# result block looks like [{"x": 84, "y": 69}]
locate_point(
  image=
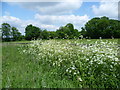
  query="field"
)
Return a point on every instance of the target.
[{"x": 87, "y": 63}]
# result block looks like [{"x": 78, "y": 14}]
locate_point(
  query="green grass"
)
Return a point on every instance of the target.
[
  {"x": 16, "y": 42},
  {"x": 0, "y": 65},
  {"x": 25, "y": 71},
  {"x": 18, "y": 70}
]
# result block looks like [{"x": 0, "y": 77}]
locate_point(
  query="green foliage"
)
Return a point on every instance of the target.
[
  {"x": 61, "y": 64},
  {"x": 45, "y": 34},
  {"x": 32, "y": 32},
  {"x": 6, "y": 32},
  {"x": 67, "y": 32},
  {"x": 16, "y": 34},
  {"x": 55, "y": 63},
  {"x": 52, "y": 35},
  {"x": 10, "y": 33},
  {"x": 102, "y": 27},
  {"x": 95, "y": 28}
]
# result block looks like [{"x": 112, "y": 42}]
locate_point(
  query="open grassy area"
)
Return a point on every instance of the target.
[
  {"x": 0, "y": 65},
  {"x": 61, "y": 64}
]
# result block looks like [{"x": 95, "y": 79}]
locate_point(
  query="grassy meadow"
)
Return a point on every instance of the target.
[{"x": 87, "y": 63}]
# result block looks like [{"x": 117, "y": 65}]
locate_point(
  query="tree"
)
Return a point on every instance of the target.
[
  {"x": 32, "y": 32},
  {"x": 83, "y": 32},
  {"x": 16, "y": 35},
  {"x": 62, "y": 32},
  {"x": 101, "y": 27},
  {"x": 76, "y": 34},
  {"x": 0, "y": 34},
  {"x": 45, "y": 34},
  {"x": 115, "y": 28},
  {"x": 52, "y": 34},
  {"x": 10, "y": 33},
  {"x": 91, "y": 28},
  {"x": 70, "y": 26},
  {"x": 67, "y": 32},
  {"x": 6, "y": 32}
]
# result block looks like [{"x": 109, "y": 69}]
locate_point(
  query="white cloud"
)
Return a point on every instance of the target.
[
  {"x": 49, "y": 22},
  {"x": 13, "y": 21},
  {"x": 43, "y": 0},
  {"x": 106, "y": 8},
  {"x": 49, "y": 27},
  {"x": 50, "y": 16},
  {"x": 52, "y": 8},
  {"x": 78, "y": 21},
  {"x": 21, "y": 24}
]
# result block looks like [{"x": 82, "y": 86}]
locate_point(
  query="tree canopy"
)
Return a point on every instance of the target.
[
  {"x": 102, "y": 27},
  {"x": 10, "y": 33},
  {"x": 67, "y": 32},
  {"x": 32, "y": 32}
]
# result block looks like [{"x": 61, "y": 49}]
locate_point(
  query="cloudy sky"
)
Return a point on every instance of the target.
[{"x": 52, "y": 15}]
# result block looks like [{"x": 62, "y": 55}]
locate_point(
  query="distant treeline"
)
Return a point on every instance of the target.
[{"x": 95, "y": 28}]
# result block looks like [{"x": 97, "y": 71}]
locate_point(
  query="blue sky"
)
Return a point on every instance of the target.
[
  {"x": 52, "y": 15},
  {"x": 23, "y": 13},
  {"x": 17, "y": 11},
  {"x": 86, "y": 8}
]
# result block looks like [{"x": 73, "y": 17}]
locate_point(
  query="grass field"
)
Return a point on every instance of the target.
[{"x": 61, "y": 64}]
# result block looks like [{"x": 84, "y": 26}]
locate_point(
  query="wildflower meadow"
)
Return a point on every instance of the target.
[{"x": 63, "y": 63}]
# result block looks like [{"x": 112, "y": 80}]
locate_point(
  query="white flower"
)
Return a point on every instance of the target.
[
  {"x": 73, "y": 68},
  {"x": 79, "y": 78},
  {"x": 70, "y": 71},
  {"x": 75, "y": 73},
  {"x": 116, "y": 59}
]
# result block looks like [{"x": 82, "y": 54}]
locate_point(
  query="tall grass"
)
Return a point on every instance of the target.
[{"x": 62, "y": 64}]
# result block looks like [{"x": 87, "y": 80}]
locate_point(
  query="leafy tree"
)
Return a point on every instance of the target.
[
  {"x": 76, "y": 33},
  {"x": 101, "y": 27},
  {"x": 10, "y": 33},
  {"x": 91, "y": 28},
  {"x": 83, "y": 32},
  {"x": 32, "y": 32},
  {"x": 45, "y": 34},
  {"x": 70, "y": 26},
  {"x": 52, "y": 34},
  {"x": 16, "y": 34},
  {"x": 115, "y": 28},
  {"x": 67, "y": 32},
  {"x": 70, "y": 31},
  {"x": 0, "y": 34},
  {"x": 62, "y": 32},
  {"x": 6, "y": 32}
]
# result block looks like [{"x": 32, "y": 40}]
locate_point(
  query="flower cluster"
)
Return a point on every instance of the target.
[{"x": 77, "y": 59}]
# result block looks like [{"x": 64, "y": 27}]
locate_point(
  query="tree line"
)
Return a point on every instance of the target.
[{"x": 95, "y": 28}]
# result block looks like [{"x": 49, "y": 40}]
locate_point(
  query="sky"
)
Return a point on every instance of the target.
[{"x": 52, "y": 15}]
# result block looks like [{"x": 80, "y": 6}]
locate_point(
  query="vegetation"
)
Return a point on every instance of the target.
[
  {"x": 95, "y": 28},
  {"x": 67, "y": 32},
  {"x": 10, "y": 33},
  {"x": 102, "y": 27},
  {"x": 55, "y": 59},
  {"x": 32, "y": 32},
  {"x": 61, "y": 63}
]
